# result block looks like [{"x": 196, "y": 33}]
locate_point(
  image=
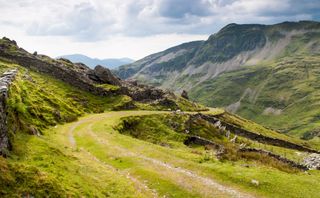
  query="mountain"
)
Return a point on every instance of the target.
[
  {"x": 267, "y": 73},
  {"x": 67, "y": 130},
  {"x": 110, "y": 63}
]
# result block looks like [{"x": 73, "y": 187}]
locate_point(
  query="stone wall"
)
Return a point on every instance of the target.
[
  {"x": 256, "y": 136},
  {"x": 201, "y": 141},
  {"x": 5, "y": 81},
  {"x": 277, "y": 157}
]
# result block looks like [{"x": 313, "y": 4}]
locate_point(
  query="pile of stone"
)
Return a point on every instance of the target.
[{"x": 312, "y": 161}]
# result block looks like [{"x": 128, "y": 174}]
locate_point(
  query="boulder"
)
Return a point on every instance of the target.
[
  {"x": 184, "y": 94},
  {"x": 103, "y": 75},
  {"x": 312, "y": 161}
]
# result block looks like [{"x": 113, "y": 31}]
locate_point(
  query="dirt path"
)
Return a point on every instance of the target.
[
  {"x": 209, "y": 187},
  {"x": 140, "y": 186}
]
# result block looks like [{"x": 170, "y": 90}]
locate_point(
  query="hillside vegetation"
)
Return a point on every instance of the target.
[
  {"x": 266, "y": 73},
  {"x": 91, "y": 158},
  {"x": 71, "y": 131}
]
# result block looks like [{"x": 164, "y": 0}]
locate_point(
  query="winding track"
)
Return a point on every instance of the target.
[{"x": 209, "y": 187}]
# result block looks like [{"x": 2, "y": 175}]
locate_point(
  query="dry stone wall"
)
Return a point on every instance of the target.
[{"x": 5, "y": 80}]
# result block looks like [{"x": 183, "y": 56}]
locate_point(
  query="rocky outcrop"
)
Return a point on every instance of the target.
[
  {"x": 62, "y": 69},
  {"x": 144, "y": 93},
  {"x": 5, "y": 81},
  {"x": 256, "y": 136},
  {"x": 312, "y": 161},
  {"x": 277, "y": 157},
  {"x": 103, "y": 75},
  {"x": 79, "y": 75},
  {"x": 184, "y": 94}
]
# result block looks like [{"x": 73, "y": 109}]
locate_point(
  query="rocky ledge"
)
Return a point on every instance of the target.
[{"x": 81, "y": 76}]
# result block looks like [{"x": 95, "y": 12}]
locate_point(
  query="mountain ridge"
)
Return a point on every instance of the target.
[
  {"x": 242, "y": 48},
  {"x": 110, "y": 63},
  {"x": 74, "y": 131}
]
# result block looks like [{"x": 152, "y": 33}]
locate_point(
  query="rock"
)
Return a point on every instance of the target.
[
  {"x": 104, "y": 75},
  {"x": 228, "y": 134},
  {"x": 184, "y": 94},
  {"x": 168, "y": 103},
  {"x": 233, "y": 140},
  {"x": 255, "y": 182},
  {"x": 3, "y": 89},
  {"x": 217, "y": 124},
  {"x": 144, "y": 93},
  {"x": 33, "y": 131},
  {"x": 312, "y": 161}
]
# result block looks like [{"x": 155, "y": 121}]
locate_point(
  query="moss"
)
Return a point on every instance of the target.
[{"x": 109, "y": 87}]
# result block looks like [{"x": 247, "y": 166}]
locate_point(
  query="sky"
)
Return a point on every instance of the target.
[{"x": 134, "y": 28}]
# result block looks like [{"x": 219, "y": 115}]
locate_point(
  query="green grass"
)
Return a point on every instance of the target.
[
  {"x": 109, "y": 87},
  {"x": 84, "y": 169},
  {"x": 289, "y": 84},
  {"x": 171, "y": 130},
  {"x": 39, "y": 101},
  {"x": 49, "y": 168}
]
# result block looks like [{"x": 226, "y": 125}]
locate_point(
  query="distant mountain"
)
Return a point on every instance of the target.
[
  {"x": 267, "y": 73},
  {"x": 110, "y": 63}
]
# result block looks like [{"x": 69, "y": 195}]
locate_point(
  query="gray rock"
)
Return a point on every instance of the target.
[
  {"x": 312, "y": 161},
  {"x": 184, "y": 94},
  {"x": 104, "y": 75}
]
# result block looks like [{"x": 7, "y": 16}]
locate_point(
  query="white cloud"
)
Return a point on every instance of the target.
[{"x": 92, "y": 27}]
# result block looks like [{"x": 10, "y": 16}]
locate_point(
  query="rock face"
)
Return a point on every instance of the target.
[
  {"x": 103, "y": 75},
  {"x": 5, "y": 81}
]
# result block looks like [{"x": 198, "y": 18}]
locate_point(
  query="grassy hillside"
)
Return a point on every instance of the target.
[
  {"x": 282, "y": 95},
  {"x": 39, "y": 101},
  {"x": 266, "y": 73},
  {"x": 91, "y": 158}
]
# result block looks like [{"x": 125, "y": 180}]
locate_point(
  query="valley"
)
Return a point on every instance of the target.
[
  {"x": 265, "y": 73},
  {"x": 71, "y": 131}
]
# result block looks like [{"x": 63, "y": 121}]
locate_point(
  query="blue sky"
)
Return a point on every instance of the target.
[{"x": 134, "y": 28}]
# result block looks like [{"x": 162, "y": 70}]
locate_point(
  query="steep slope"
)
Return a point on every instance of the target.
[
  {"x": 282, "y": 95},
  {"x": 262, "y": 72},
  {"x": 157, "y": 68},
  {"x": 110, "y": 63}
]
